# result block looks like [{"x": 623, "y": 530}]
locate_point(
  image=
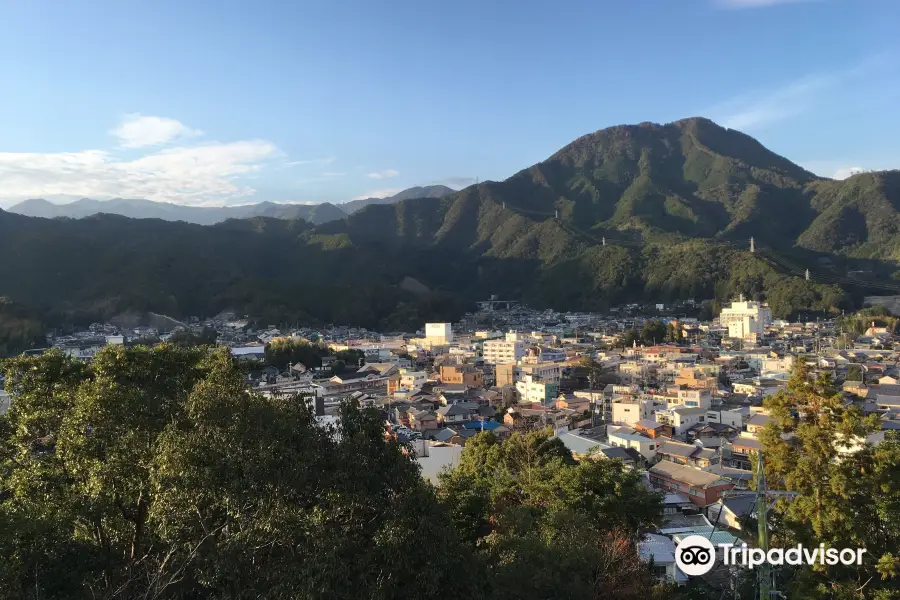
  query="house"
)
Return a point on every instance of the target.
[
  {"x": 660, "y": 550},
  {"x": 731, "y": 510},
  {"x": 686, "y": 454},
  {"x": 629, "y": 412},
  {"x": 456, "y": 413},
  {"x": 622, "y": 454},
  {"x": 681, "y": 418},
  {"x": 701, "y": 488},
  {"x": 422, "y": 420},
  {"x": 740, "y": 451},
  {"x": 644, "y": 445},
  {"x": 674, "y": 504},
  {"x": 756, "y": 422},
  {"x": 741, "y": 478},
  {"x": 653, "y": 429},
  {"x": 466, "y": 375},
  {"x": 887, "y": 396}
]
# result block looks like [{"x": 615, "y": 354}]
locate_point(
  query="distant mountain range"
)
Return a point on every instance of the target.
[
  {"x": 147, "y": 209},
  {"x": 642, "y": 212}
]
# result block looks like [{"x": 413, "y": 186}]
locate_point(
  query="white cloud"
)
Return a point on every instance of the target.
[
  {"x": 755, "y": 3},
  {"x": 759, "y": 109},
  {"x": 845, "y": 172},
  {"x": 379, "y": 193},
  {"x": 191, "y": 175},
  {"x": 138, "y": 131},
  {"x": 386, "y": 174}
]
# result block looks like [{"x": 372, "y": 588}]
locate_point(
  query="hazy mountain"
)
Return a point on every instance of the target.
[
  {"x": 428, "y": 191},
  {"x": 676, "y": 203},
  {"x": 147, "y": 209}
]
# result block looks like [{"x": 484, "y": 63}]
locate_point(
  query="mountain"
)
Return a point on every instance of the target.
[
  {"x": 201, "y": 215},
  {"x": 147, "y": 209},
  {"x": 428, "y": 191},
  {"x": 675, "y": 205}
]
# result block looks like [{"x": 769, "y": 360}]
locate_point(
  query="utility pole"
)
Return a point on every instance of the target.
[{"x": 763, "y": 493}]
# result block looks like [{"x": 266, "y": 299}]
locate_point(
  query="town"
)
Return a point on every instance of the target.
[{"x": 677, "y": 399}]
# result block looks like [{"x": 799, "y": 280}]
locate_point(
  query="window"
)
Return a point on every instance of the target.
[
  {"x": 694, "y": 492},
  {"x": 660, "y": 571}
]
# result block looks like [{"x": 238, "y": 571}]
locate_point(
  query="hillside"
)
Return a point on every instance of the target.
[
  {"x": 675, "y": 203},
  {"x": 428, "y": 191}
]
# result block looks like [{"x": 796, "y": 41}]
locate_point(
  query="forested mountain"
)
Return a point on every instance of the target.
[
  {"x": 676, "y": 204},
  {"x": 428, "y": 191}
]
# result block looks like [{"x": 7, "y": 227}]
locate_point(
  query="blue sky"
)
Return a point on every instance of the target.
[{"x": 228, "y": 102}]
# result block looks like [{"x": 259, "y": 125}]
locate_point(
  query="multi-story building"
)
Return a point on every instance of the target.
[
  {"x": 538, "y": 392},
  {"x": 500, "y": 352},
  {"x": 629, "y": 412},
  {"x": 699, "y": 377},
  {"x": 681, "y": 418},
  {"x": 745, "y": 319},
  {"x": 438, "y": 334},
  {"x": 462, "y": 374},
  {"x": 645, "y": 445}
]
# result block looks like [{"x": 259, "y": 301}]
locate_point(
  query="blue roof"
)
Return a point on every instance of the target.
[{"x": 488, "y": 425}]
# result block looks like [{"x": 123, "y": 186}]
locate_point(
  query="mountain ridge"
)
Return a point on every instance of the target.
[
  {"x": 676, "y": 204},
  {"x": 148, "y": 209}
]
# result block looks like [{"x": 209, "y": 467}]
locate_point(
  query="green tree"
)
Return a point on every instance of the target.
[
  {"x": 654, "y": 332},
  {"x": 854, "y": 373},
  {"x": 848, "y": 492},
  {"x": 155, "y": 473},
  {"x": 527, "y": 503}
]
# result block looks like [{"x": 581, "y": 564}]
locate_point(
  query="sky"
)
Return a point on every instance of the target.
[{"x": 227, "y": 102}]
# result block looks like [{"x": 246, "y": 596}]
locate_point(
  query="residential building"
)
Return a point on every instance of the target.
[
  {"x": 505, "y": 374},
  {"x": 733, "y": 417},
  {"x": 500, "y": 352},
  {"x": 462, "y": 374},
  {"x": 693, "y": 398},
  {"x": 644, "y": 445},
  {"x": 412, "y": 380},
  {"x": 540, "y": 392},
  {"x": 546, "y": 372},
  {"x": 732, "y": 510},
  {"x": 652, "y": 429},
  {"x": 629, "y": 412},
  {"x": 699, "y": 377},
  {"x": 681, "y": 418},
  {"x": 686, "y": 454},
  {"x": 701, "y": 488},
  {"x": 660, "y": 550}
]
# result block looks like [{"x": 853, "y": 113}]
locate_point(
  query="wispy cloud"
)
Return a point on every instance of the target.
[
  {"x": 456, "y": 182},
  {"x": 386, "y": 174},
  {"x": 326, "y": 176},
  {"x": 199, "y": 174},
  {"x": 759, "y": 109},
  {"x": 738, "y": 4},
  {"x": 379, "y": 193},
  {"x": 138, "y": 131}
]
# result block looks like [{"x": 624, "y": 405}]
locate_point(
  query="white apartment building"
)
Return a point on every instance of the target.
[
  {"x": 746, "y": 319},
  {"x": 630, "y": 412},
  {"x": 544, "y": 372},
  {"x": 412, "y": 379},
  {"x": 502, "y": 352},
  {"x": 694, "y": 398},
  {"x": 732, "y": 417},
  {"x": 681, "y": 418}
]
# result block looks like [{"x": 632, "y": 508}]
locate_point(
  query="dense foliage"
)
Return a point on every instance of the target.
[
  {"x": 154, "y": 473},
  {"x": 849, "y": 492},
  {"x": 546, "y": 526}
]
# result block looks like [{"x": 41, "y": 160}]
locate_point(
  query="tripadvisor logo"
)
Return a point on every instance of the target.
[{"x": 696, "y": 555}]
